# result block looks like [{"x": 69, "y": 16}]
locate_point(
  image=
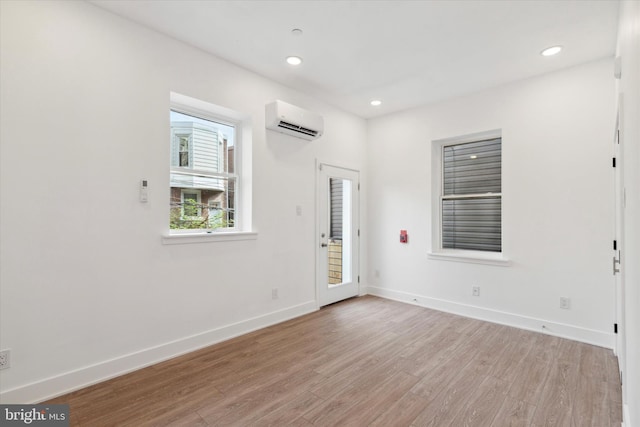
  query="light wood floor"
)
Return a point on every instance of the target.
[{"x": 368, "y": 361}]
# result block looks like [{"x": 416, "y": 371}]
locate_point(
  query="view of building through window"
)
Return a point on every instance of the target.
[{"x": 202, "y": 176}]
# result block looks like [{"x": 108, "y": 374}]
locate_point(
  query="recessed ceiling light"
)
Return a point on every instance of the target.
[
  {"x": 294, "y": 60},
  {"x": 550, "y": 51},
  {"x": 473, "y": 156},
  {"x": 376, "y": 102}
]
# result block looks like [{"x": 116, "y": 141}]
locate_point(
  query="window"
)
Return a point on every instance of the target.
[
  {"x": 191, "y": 205},
  {"x": 202, "y": 172},
  {"x": 469, "y": 194},
  {"x": 183, "y": 151}
]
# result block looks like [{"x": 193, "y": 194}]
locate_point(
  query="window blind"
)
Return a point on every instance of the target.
[
  {"x": 335, "y": 189},
  {"x": 472, "y": 196}
]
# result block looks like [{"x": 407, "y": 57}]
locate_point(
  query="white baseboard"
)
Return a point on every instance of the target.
[
  {"x": 83, "y": 377},
  {"x": 625, "y": 416},
  {"x": 575, "y": 333}
]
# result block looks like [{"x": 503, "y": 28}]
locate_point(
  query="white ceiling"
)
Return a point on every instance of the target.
[{"x": 406, "y": 53}]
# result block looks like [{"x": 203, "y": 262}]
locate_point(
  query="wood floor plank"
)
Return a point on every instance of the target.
[
  {"x": 432, "y": 332},
  {"x": 615, "y": 403},
  {"x": 514, "y": 413},
  {"x": 402, "y": 412},
  {"x": 483, "y": 404},
  {"x": 329, "y": 411},
  {"x": 367, "y": 361},
  {"x": 182, "y": 418},
  {"x": 593, "y": 363},
  {"x": 591, "y": 404},
  {"x": 433, "y": 350},
  {"x": 292, "y": 410},
  {"x": 508, "y": 366},
  {"x": 529, "y": 382},
  {"x": 355, "y": 354},
  {"x": 251, "y": 406},
  {"x": 373, "y": 403},
  {"x": 445, "y": 406},
  {"x": 443, "y": 369},
  {"x": 555, "y": 404},
  {"x": 362, "y": 373},
  {"x": 612, "y": 368}
]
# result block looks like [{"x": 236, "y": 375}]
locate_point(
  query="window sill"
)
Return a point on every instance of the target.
[
  {"x": 187, "y": 238},
  {"x": 471, "y": 257}
]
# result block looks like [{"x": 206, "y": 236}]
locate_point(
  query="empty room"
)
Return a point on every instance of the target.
[{"x": 272, "y": 213}]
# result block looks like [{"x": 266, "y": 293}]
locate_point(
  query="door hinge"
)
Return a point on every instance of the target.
[
  {"x": 358, "y": 232},
  {"x": 615, "y": 245},
  {"x": 358, "y": 279},
  {"x": 614, "y": 162},
  {"x": 615, "y": 328}
]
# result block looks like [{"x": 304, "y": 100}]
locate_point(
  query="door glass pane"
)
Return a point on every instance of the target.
[{"x": 340, "y": 241}]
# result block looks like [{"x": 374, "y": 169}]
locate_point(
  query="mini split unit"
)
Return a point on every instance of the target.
[{"x": 295, "y": 121}]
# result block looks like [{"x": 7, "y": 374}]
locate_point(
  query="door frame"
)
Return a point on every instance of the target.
[
  {"x": 619, "y": 208},
  {"x": 319, "y": 252}
]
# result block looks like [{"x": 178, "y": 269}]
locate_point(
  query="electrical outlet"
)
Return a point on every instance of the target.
[
  {"x": 565, "y": 303},
  {"x": 476, "y": 291},
  {"x": 274, "y": 293},
  {"x": 5, "y": 359}
]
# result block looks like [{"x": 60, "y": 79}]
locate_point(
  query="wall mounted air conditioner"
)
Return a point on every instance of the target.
[{"x": 292, "y": 120}]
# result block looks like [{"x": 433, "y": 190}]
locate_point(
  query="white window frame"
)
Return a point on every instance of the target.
[
  {"x": 242, "y": 166},
  {"x": 437, "y": 252}
]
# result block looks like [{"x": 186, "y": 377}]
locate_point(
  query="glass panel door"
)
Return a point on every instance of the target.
[{"x": 337, "y": 257}]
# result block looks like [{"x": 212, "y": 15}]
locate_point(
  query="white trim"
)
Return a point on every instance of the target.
[
  {"x": 205, "y": 237},
  {"x": 202, "y": 173},
  {"x": 102, "y": 371},
  {"x": 626, "y": 415},
  {"x": 335, "y": 164},
  {"x": 619, "y": 236},
  {"x": 474, "y": 257},
  {"x": 576, "y": 333},
  {"x": 206, "y": 110},
  {"x": 470, "y": 137}
]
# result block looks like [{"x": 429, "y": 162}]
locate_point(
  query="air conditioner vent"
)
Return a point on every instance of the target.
[
  {"x": 291, "y": 126},
  {"x": 291, "y": 120}
]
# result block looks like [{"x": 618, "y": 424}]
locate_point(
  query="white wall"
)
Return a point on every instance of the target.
[
  {"x": 629, "y": 86},
  {"x": 557, "y": 204},
  {"x": 88, "y": 290}
]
